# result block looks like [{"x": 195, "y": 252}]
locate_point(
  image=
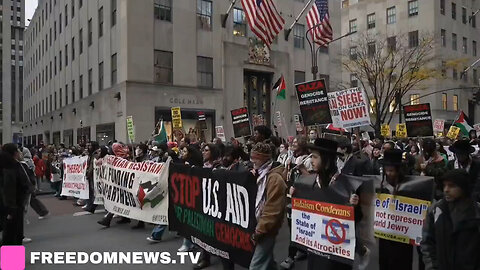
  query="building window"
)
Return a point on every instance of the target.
[
  {"x": 443, "y": 35},
  {"x": 414, "y": 99},
  {"x": 73, "y": 48},
  {"x": 455, "y": 102},
  {"x": 66, "y": 55},
  {"x": 163, "y": 67},
  {"x": 89, "y": 32},
  {"x": 73, "y": 91},
  {"x": 412, "y": 8},
  {"x": 80, "y": 87},
  {"x": 60, "y": 60},
  {"x": 73, "y": 8},
  {"x": 100, "y": 22},
  {"x": 464, "y": 45},
  {"x": 454, "y": 41},
  {"x": 352, "y": 26},
  {"x": 391, "y": 15},
  {"x": 444, "y": 69},
  {"x": 66, "y": 94},
  {"x": 55, "y": 30},
  {"x": 444, "y": 101},
  {"x": 114, "y": 69},
  {"x": 80, "y": 4},
  {"x": 205, "y": 71},
  {"x": 239, "y": 23},
  {"x": 353, "y": 53},
  {"x": 392, "y": 43},
  {"x": 80, "y": 40},
  {"x": 113, "y": 5},
  {"x": 465, "y": 75},
  {"x": 100, "y": 76},
  {"x": 371, "y": 49},
  {"x": 298, "y": 36},
  {"x": 475, "y": 76},
  {"x": 353, "y": 80},
  {"x": 90, "y": 82},
  {"x": 55, "y": 64},
  {"x": 442, "y": 7},
  {"x": 455, "y": 74},
  {"x": 371, "y": 21},
  {"x": 299, "y": 77},
  {"x": 472, "y": 18},
  {"x": 163, "y": 10},
  {"x": 454, "y": 11},
  {"x": 60, "y": 23},
  {"x": 474, "y": 48},
  {"x": 413, "y": 39},
  {"x": 204, "y": 14},
  {"x": 464, "y": 15},
  {"x": 61, "y": 98}
]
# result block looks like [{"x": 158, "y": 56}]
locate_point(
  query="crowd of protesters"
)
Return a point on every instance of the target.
[{"x": 451, "y": 233}]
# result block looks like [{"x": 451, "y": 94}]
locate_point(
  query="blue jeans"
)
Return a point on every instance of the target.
[
  {"x": 158, "y": 231},
  {"x": 263, "y": 256}
]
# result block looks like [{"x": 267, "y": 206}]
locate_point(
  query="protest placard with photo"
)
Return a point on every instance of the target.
[
  {"x": 385, "y": 130},
  {"x": 210, "y": 206},
  {"x": 74, "y": 177},
  {"x": 137, "y": 190},
  {"x": 418, "y": 119},
  {"x": 241, "y": 122},
  {"x": 401, "y": 131},
  {"x": 313, "y": 101},
  {"x": 349, "y": 108}
]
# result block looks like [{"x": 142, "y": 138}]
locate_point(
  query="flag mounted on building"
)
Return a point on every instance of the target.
[
  {"x": 280, "y": 88},
  {"x": 264, "y": 19},
  {"x": 463, "y": 123},
  {"x": 318, "y": 16}
]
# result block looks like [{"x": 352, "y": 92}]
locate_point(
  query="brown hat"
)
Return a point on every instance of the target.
[{"x": 261, "y": 151}]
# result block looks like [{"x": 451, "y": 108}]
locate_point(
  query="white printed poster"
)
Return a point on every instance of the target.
[
  {"x": 75, "y": 182},
  {"x": 349, "y": 108}
]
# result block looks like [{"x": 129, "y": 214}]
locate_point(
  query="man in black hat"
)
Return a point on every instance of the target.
[
  {"x": 451, "y": 232},
  {"x": 464, "y": 160},
  {"x": 352, "y": 163}
]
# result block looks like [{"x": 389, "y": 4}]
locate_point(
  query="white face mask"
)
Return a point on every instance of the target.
[{"x": 138, "y": 152}]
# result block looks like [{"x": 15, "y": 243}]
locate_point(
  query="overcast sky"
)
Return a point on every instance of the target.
[{"x": 30, "y": 6}]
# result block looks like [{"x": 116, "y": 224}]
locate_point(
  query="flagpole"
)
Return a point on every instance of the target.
[
  {"x": 287, "y": 31},
  {"x": 225, "y": 16}
]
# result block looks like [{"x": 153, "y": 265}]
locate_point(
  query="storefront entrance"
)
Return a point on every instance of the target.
[{"x": 192, "y": 127}]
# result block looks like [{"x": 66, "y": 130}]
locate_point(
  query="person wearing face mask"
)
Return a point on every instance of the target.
[
  {"x": 431, "y": 163},
  {"x": 15, "y": 188},
  {"x": 451, "y": 231},
  {"x": 269, "y": 205},
  {"x": 464, "y": 160}
]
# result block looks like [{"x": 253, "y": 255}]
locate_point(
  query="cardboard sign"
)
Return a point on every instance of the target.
[
  {"x": 401, "y": 131},
  {"x": 349, "y": 108},
  {"x": 176, "y": 117},
  {"x": 453, "y": 132},
  {"x": 257, "y": 120},
  {"x": 313, "y": 100},
  {"x": 438, "y": 125},
  {"x": 130, "y": 129},
  {"x": 220, "y": 133},
  {"x": 418, "y": 119},
  {"x": 241, "y": 122},
  {"x": 385, "y": 130}
]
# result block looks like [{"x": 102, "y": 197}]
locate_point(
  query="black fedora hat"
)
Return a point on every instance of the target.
[
  {"x": 462, "y": 147},
  {"x": 324, "y": 145},
  {"x": 392, "y": 157}
]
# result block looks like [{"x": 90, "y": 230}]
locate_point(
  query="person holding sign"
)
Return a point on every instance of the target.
[
  {"x": 431, "y": 163},
  {"x": 393, "y": 255},
  {"x": 451, "y": 232}
]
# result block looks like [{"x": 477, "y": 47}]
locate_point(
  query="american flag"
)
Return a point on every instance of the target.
[
  {"x": 318, "y": 15},
  {"x": 263, "y": 18}
]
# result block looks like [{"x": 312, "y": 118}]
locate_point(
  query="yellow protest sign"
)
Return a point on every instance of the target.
[
  {"x": 176, "y": 117},
  {"x": 401, "y": 131},
  {"x": 130, "y": 129},
  {"x": 385, "y": 130},
  {"x": 453, "y": 132}
]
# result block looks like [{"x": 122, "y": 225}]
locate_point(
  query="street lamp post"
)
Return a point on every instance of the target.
[{"x": 314, "y": 51}]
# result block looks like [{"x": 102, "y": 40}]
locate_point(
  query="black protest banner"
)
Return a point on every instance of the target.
[
  {"x": 215, "y": 208},
  {"x": 241, "y": 122},
  {"x": 313, "y": 101},
  {"x": 418, "y": 119},
  {"x": 323, "y": 222}
]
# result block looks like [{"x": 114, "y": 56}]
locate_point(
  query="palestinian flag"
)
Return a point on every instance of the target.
[
  {"x": 280, "y": 88},
  {"x": 462, "y": 122},
  {"x": 150, "y": 193},
  {"x": 161, "y": 137}
]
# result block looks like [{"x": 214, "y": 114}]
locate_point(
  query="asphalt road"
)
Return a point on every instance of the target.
[{"x": 67, "y": 230}]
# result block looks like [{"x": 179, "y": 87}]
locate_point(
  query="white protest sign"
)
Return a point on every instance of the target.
[
  {"x": 137, "y": 190},
  {"x": 438, "y": 125},
  {"x": 349, "y": 108},
  {"x": 74, "y": 177}
]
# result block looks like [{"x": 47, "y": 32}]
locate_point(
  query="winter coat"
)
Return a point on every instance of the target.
[
  {"x": 474, "y": 173},
  {"x": 272, "y": 216},
  {"x": 452, "y": 243},
  {"x": 15, "y": 187},
  {"x": 39, "y": 166}
]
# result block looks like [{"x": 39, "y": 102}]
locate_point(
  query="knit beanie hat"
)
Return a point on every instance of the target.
[
  {"x": 261, "y": 151},
  {"x": 459, "y": 177}
]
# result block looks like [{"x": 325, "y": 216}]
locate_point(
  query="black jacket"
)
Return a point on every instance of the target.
[
  {"x": 15, "y": 186},
  {"x": 451, "y": 243},
  {"x": 474, "y": 173},
  {"x": 357, "y": 165}
]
